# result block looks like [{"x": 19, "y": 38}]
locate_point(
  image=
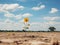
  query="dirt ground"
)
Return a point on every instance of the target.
[{"x": 29, "y": 38}]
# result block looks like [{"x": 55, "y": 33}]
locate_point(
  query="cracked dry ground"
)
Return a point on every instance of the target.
[{"x": 29, "y": 38}]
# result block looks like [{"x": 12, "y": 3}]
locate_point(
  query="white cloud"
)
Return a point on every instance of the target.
[
  {"x": 44, "y": 25},
  {"x": 21, "y": 7},
  {"x": 8, "y": 21},
  {"x": 38, "y": 8},
  {"x": 35, "y": 26},
  {"x": 53, "y": 10},
  {"x": 9, "y": 15},
  {"x": 1, "y": 9},
  {"x": 21, "y": 21},
  {"x": 10, "y": 7},
  {"x": 53, "y": 23},
  {"x": 51, "y": 18},
  {"x": 23, "y": 15},
  {"x": 18, "y": 16},
  {"x": 10, "y": 25},
  {"x": 27, "y": 15},
  {"x": 39, "y": 26}
]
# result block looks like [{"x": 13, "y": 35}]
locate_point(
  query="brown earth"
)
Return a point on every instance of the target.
[{"x": 29, "y": 38}]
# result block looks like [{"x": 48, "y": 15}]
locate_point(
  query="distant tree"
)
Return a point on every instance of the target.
[
  {"x": 23, "y": 30},
  {"x": 52, "y": 28}
]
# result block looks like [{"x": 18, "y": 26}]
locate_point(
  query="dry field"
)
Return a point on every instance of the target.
[{"x": 29, "y": 38}]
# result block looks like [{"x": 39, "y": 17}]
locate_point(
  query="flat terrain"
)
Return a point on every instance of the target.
[{"x": 29, "y": 38}]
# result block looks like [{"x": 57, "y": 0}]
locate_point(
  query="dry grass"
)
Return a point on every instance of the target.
[{"x": 28, "y": 38}]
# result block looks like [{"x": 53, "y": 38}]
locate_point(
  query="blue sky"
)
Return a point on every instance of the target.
[{"x": 41, "y": 13}]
